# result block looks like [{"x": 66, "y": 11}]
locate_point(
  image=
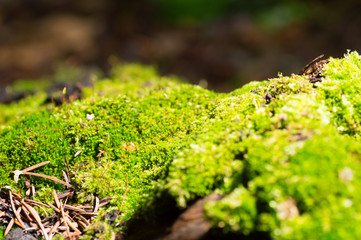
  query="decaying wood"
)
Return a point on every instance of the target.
[{"x": 313, "y": 70}]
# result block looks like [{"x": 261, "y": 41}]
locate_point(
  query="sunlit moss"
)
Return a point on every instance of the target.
[
  {"x": 99, "y": 231},
  {"x": 13, "y": 111},
  {"x": 284, "y": 152}
]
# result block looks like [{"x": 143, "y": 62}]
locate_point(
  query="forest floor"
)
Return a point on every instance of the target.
[{"x": 228, "y": 52}]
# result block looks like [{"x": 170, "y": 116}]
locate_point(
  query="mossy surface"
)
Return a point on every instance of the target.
[{"x": 284, "y": 152}]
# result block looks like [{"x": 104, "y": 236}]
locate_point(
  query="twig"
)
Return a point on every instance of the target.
[
  {"x": 310, "y": 64},
  {"x": 65, "y": 223},
  {"x": 48, "y": 177},
  {"x": 38, "y": 204},
  {"x": 57, "y": 202},
  {"x": 89, "y": 214},
  {"x": 54, "y": 228},
  {"x": 105, "y": 201},
  {"x": 124, "y": 195},
  {"x": 34, "y": 227},
  {"x": 10, "y": 225},
  {"x": 32, "y": 191},
  {"x": 15, "y": 211},
  {"x": 67, "y": 166},
  {"x": 76, "y": 209},
  {"x": 26, "y": 171},
  {"x": 70, "y": 220},
  {"x": 54, "y": 208},
  {"x": 35, "y": 166},
  {"x": 82, "y": 218},
  {"x": 60, "y": 207},
  {"x": 65, "y": 177},
  {"x": 66, "y": 193},
  {"x": 96, "y": 205},
  {"x": 66, "y": 217},
  {"x": 26, "y": 214},
  {"x": 85, "y": 207},
  {"x": 67, "y": 220},
  {"x": 82, "y": 224},
  {"x": 36, "y": 217}
]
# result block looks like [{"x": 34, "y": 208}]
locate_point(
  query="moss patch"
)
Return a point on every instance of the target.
[{"x": 284, "y": 152}]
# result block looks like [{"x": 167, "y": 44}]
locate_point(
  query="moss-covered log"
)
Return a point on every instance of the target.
[{"x": 285, "y": 153}]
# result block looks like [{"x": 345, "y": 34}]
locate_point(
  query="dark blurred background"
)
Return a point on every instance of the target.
[{"x": 226, "y": 42}]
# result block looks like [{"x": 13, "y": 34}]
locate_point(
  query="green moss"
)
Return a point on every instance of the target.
[
  {"x": 347, "y": 68},
  {"x": 288, "y": 155},
  {"x": 58, "y": 237},
  {"x": 285, "y": 153},
  {"x": 98, "y": 231},
  {"x": 295, "y": 182},
  {"x": 238, "y": 211},
  {"x": 135, "y": 133},
  {"x": 12, "y": 112}
]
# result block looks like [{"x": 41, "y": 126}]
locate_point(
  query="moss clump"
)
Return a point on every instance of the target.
[
  {"x": 132, "y": 133},
  {"x": 11, "y": 112},
  {"x": 99, "y": 231},
  {"x": 284, "y": 152},
  {"x": 287, "y": 168}
]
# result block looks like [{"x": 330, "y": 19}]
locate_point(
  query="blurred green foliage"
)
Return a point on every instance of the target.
[
  {"x": 269, "y": 14},
  {"x": 192, "y": 11}
]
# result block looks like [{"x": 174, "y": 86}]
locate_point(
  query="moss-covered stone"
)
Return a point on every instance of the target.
[{"x": 285, "y": 152}]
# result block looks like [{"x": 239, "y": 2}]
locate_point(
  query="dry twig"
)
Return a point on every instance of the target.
[
  {"x": 36, "y": 217},
  {"x": 67, "y": 220},
  {"x": 26, "y": 171},
  {"x": 125, "y": 194},
  {"x": 16, "y": 211}
]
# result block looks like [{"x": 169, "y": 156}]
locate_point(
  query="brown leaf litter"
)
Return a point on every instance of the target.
[{"x": 67, "y": 220}]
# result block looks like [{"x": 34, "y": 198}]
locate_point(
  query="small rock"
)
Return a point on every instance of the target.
[
  {"x": 111, "y": 216},
  {"x": 19, "y": 234}
]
